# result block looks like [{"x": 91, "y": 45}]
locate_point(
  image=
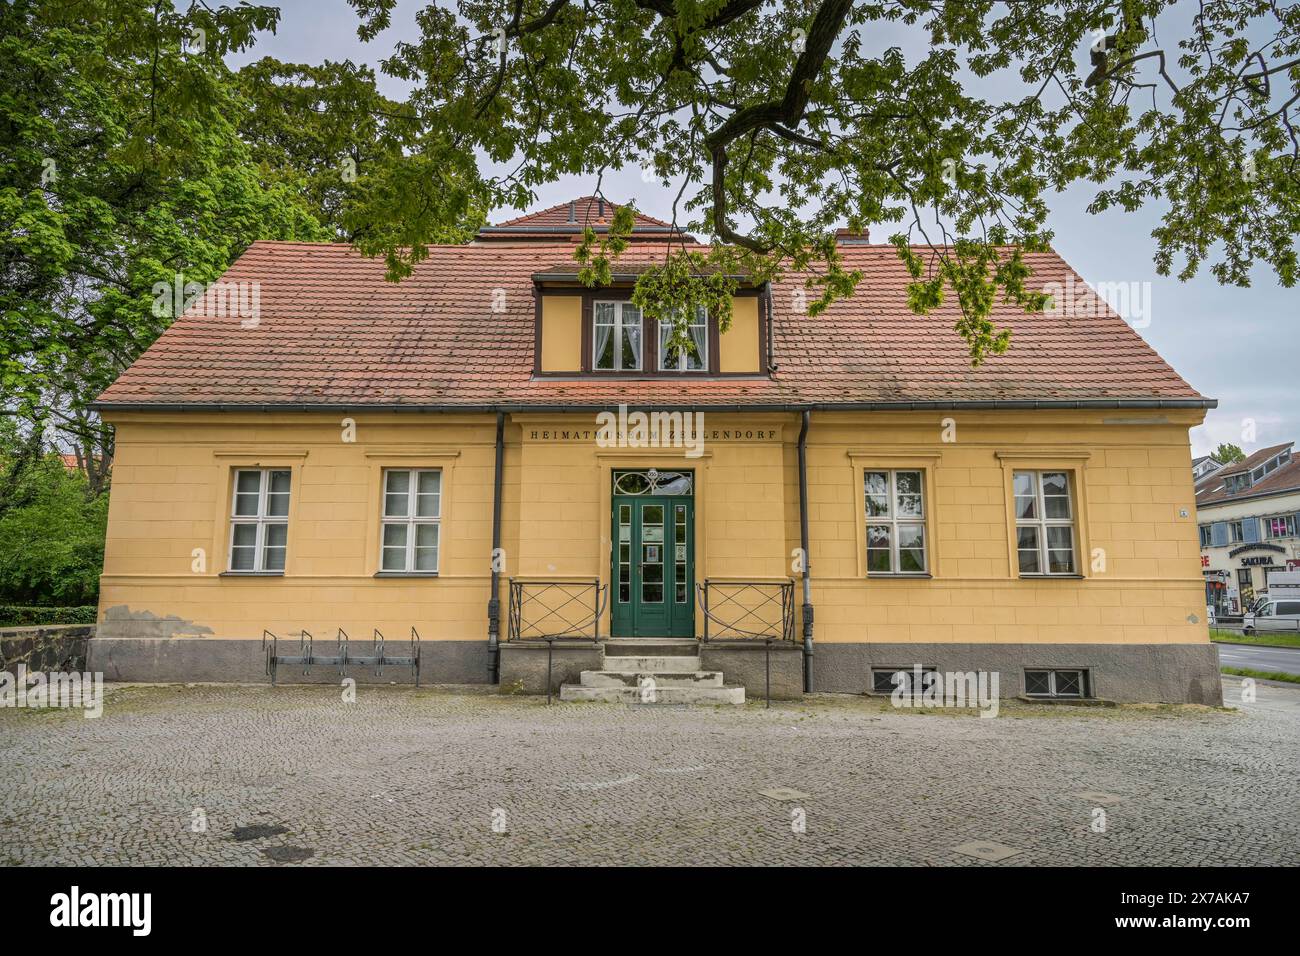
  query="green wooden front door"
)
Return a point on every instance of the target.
[{"x": 654, "y": 566}]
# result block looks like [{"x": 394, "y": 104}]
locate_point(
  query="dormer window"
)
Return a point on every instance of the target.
[
  {"x": 617, "y": 330},
  {"x": 602, "y": 333},
  {"x": 1270, "y": 466},
  {"x": 693, "y": 358}
]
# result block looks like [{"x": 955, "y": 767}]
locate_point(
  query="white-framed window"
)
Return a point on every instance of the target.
[
  {"x": 895, "y": 521},
  {"x": 412, "y": 513},
  {"x": 1280, "y": 526},
  {"x": 1236, "y": 531},
  {"x": 1207, "y": 539},
  {"x": 1056, "y": 683},
  {"x": 616, "y": 336},
  {"x": 259, "y": 520},
  {"x": 1044, "y": 522},
  {"x": 695, "y": 357}
]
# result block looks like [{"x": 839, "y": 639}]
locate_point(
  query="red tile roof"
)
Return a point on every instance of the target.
[
  {"x": 570, "y": 219},
  {"x": 1253, "y": 460},
  {"x": 1213, "y": 488},
  {"x": 332, "y": 331},
  {"x": 587, "y": 210}
]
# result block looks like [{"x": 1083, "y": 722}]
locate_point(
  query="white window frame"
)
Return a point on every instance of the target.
[
  {"x": 893, "y": 520},
  {"x": 1042, "y": 522},
  {"x": 1207, "y": 536},
  {"x": 1288, "y": 526},
  {"x": 1237, "y": 531},
  {"x": 701, "y": 320},
  {"x": 1051, "y": 672},
  {"x": 411, "y": 520},
  {"x": 619, "y": 305},
  {"x": 261, "y": 520}
]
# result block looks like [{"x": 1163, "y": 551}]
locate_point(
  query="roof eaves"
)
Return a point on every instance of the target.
[
  {"x": 1270, "y": 493},
  {"x": 795, "y": 406}
]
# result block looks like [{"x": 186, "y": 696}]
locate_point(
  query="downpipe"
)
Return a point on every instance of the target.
[
  {"x": 803, "y": 545},
  {"x": 494, "y": 600}
]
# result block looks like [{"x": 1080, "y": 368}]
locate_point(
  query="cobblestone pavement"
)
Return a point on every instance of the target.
[{"x": 419, "y": 777}]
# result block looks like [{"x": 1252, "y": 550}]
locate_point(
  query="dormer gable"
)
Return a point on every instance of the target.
[{"x": 569, "y": 220}]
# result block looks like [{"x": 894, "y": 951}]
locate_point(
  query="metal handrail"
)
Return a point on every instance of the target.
[
  {"x": 717, "y": 598},
  {"x": 588, "y": 608}
]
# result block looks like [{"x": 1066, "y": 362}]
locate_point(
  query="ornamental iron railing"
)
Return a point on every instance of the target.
[
  {"x": 543, "y": 610},
  {"x": 747, "y": 610}
]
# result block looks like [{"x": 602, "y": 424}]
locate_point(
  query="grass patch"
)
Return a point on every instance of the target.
[
  {"x": 1263, "y": 640},
  {"x": 1262, "y": 675}
]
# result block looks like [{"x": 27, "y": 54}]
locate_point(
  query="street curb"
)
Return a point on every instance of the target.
[
  {"x": 1261, "y": 680},
  {"x": 1276, "y": 647}
]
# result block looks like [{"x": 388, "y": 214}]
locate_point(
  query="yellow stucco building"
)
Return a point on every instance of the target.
[{"x": 491, "y": 454}]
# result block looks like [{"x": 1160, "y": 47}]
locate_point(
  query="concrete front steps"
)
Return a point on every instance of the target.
[{"x": 672, "y": 665}]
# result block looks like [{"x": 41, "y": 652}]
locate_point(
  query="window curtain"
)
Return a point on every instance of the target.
[
  {"x": 604, "y": 355},
  {"x": 667, "y": 354},
  {"x": 631, "y": 324},
  {"x": 700, "y": 338}
]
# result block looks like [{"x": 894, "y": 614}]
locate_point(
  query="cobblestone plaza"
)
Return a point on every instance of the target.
[{"x": 254, "y": 775}]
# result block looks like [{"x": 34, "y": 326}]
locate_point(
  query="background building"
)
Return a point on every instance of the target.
[{"x": 1247, "y": 514}]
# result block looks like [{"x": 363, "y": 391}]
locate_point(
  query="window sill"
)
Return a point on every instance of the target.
[
  {"x": 1051, "y": 577},
  {"x": 899, "y": 576},
  {"x": 406, "y": 574},
  {"x": 251, "y": 574}
]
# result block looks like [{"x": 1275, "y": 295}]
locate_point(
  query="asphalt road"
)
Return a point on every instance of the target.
[{"x": 1285, "y": 659}]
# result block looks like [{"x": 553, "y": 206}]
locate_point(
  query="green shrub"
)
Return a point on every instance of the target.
[
  {"x": 51, "y": 538},
  {"x": 17, "y": 615}
]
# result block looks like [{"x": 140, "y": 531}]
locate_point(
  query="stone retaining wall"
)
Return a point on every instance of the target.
[{"x": 56, "y": 647}]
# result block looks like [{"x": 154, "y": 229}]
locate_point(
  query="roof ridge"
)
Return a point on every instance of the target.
[{"x": 587, "y": 202}]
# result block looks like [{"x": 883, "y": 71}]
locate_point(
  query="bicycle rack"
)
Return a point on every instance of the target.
[{"x": 305, "y": 657}]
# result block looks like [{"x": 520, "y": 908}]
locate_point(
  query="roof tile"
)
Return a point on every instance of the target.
[{"x": 332, "y": 331}]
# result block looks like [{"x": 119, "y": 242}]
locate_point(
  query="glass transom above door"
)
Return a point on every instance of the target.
[{"x": 654, "y": 482}]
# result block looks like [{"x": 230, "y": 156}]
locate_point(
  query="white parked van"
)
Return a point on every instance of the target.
[{"x": 1281, "y": 615}]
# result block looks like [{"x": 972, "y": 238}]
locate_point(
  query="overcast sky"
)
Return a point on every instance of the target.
[{"x": 1240, "y": 346}]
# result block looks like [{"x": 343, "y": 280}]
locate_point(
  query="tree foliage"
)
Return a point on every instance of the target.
[
  {"x": 1228, "y": 453},
  {"x": 121, "y": 172},
  {"x": 777, "y": 123},
  {"x": 51, "y": 536},
  {"x": 130, "y": 154}
]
